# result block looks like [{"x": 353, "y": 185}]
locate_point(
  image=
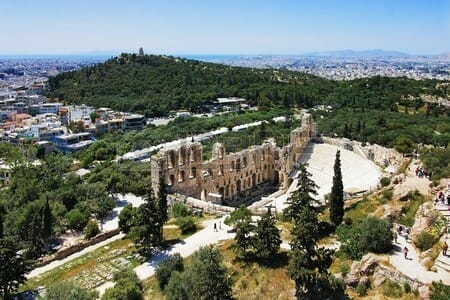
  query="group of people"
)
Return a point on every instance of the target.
[
  {"x": 420, "y": 172},
  {"x": 441, "y": 198}
]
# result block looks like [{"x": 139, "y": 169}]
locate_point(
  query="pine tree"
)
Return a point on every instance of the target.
[
  {"x": 337, "y": 194},
  {"x": 308, "y": 264},
  {"x": 242, "y": 239},
  {"x": 147, "y": 231},
  {"x": 267, "y": 240}
]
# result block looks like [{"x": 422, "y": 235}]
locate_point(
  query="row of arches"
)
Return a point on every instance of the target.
[
  {"x": 182, "y": 156},
  {"x": 173, "y": 179}
]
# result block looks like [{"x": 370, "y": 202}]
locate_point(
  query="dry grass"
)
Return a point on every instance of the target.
[{"x": 251, "y": 280}]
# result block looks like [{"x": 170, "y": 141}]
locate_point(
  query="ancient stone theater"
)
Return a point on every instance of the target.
[{"x": 231, "y": 178}]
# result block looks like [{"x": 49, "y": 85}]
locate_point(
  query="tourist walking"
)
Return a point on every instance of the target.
[
  {"x": 215, "y": 227},
  {"x": 444, "y": 248},
  {"x": 405, "y": 252}
]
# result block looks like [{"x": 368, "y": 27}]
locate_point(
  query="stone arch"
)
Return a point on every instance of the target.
[
  {"x": 193, "y": 153},
  {"x": 238, "y": 187},
  {"x": 238, "y": 165},
  {"x": 193, "y": 172},
  {"x": 276, "y": 178},
  {"x": 171, "y": 159},
  {"x": 253, "y": 180},
  {"x": 181, "y": 177},
  {"x": 221, "y": 170},
  {"x": 182, "y": 156},
  {"x": 244, "y": 162},
  {"x": 227, "y": 191},
  {"x": 232, "y": 165},
  {"x": 263, "y": 153},
  {"x": 210, "y": 172},
  {"x": 171, "y": 181},
  {"x": 254, "y": 158},
  {"x": 221, "y": 193}
]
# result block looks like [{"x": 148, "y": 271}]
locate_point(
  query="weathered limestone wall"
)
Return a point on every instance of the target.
[{"x": 229, "y": 177}]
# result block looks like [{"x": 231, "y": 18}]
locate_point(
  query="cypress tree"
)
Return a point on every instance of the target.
[
  {"x": 47, "y": 220},
  {"x": 337, "y": 194},
  {"x": 162, "y": 204}
]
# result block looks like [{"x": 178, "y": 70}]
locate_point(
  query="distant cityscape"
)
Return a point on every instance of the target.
[{"x": 347, "y": 66}]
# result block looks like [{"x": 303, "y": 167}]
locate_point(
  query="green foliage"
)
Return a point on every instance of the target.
[
  {"x": 385, "y": 181},
  {"x": 266, "y": 239},
  {"x": 91, "y": 229},
  {"x": 440, "y": 291},
  {"x": 206, "y": 277},
  {"x": 424, "y": 240},
  {"x": 67, "y": 290},
  {"x": 127, "y": 218},
  {"x": 155, "y": 85},
  {"x": 362, "y": 289},
  {"x": 308, "y": 264},
  {"x": 238, "y": 215},
  {"x": 337, "y": 193},
  {"x": 180, "y": 210},
  {"x": 127, "y": 287},
  {"x": 436, "y": 160},
  {"x": 186, "y": 224},
  {"x": 167, "y": 267},
  {"x": 404, "y": 144},
  {"x": 371, "y": 234},
  {"x": 76, "y": 219},
  {"x": 176, "y": 287},
  {"x": 409, "y": 211},
  {"x": 391, "y": 289},
  {"x": 406, "y": 287},
  {"x": 13, "y": 268},
  {"x": 243, "y": 239},
  {"x": 146, "y": 232},
  {"x": 344, "y": 268}
]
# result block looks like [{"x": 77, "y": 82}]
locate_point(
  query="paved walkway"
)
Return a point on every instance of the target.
[
  {"x": 411, "y": 265},
  {"x": 57, "y": 263},
  {"x": 185, "y": 248}
]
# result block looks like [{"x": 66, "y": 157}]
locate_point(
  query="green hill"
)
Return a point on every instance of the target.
[
  {"x": 383, "y": 110},
  {"x": 158, "y": 84}
]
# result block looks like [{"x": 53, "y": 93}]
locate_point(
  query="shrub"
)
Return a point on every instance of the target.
[
  {"x": 186, "y": 224},
  {"x": 361, "y": 289},
  {"x": 406, "y": 287},
  {"x": 91, "y": 229},
  {"x": 127, "y": 287},
  {"x": 180, "y": 210},
  {"x": 439, "y": 291},
  {"x": 76, "y": 219},
  {"x": 344, "y": 268},
  {"x": 424, "y": 240},
  {"x": 68, "y": 290},
  {"x": 387, "y": 194},
  {"x": 385, "y": 181},
  {"x": 392, "y": 289},
  {"x": 166, "y": 268},
  {"x": 371, "y": 234}
]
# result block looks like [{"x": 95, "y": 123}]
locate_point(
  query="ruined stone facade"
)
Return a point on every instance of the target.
[{"x": 230, "y": 177}]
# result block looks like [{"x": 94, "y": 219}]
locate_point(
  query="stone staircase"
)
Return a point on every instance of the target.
[{"x": 442, "y": 263}]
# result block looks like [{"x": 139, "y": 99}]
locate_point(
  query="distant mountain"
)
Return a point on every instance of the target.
[{"x": 364, "y": 53}]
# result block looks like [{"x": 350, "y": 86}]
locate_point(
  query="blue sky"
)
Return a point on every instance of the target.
[{"x": 223, "y": 27}]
